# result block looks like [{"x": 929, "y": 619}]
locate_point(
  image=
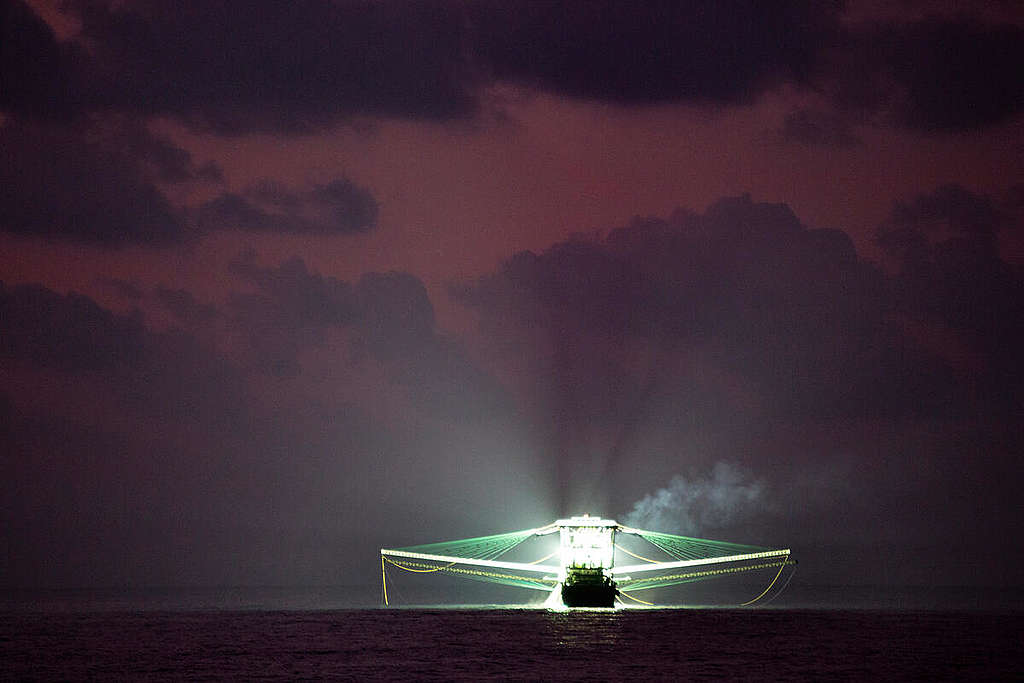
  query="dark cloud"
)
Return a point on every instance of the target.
[
  {"x": 170, "y": 373},
  {"x": 653, "y": 52},
  {"x": 737, "y": 335},
  {"x": 124, "y": 289},
  {"x": 40, "y": 75},
  {"x": 96, "y": 186},
  {"x": 70, "y": 333},
  {"x": 959, "y": 75},
  {"x": 741, "y": 335},
  {"x": 236, "y": 67},
  {"x": 791, "y": 311},
  {"x": 945, "y": 245},
  {"x": 938, "y": 74},
  {"x": 337, "y": 207},
  {"x": 101, "y": 183},
  {"x": 390, "y": 311},
  {"x": 183, "y": 305},
  {"x": 950, "y": 210},
  {"x": 291, "y": 308},
  {"x": 395, "y": 311},
  {"x": 387, "y": 318},
  {"x": 817, "y": 128},
  {"x": 155, "y": 458}
]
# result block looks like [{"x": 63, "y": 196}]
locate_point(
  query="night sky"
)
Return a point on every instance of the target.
[{"x": 282, "y": 283}]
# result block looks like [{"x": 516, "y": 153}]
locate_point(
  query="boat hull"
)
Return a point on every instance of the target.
[
  {"x": 587, "y": 595},
  {"x": 588, "y": 587}
]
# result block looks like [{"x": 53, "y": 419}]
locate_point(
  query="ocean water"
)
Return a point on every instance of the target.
[{"x": 104, "y": 639}]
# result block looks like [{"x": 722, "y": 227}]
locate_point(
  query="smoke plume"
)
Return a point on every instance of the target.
[{"x": 692, "y": 506}]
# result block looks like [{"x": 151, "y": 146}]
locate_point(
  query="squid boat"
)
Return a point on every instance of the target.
[{"x": 582, "y": 570}]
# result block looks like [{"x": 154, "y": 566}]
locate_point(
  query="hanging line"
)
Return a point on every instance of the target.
[
  {"x": 765, "y": 591},
  {"x": 642, "y": 602},
  {"x": 645, "y": 559},
  {"x": 418, "y": 571},
  {"x": 547, "y": 557}
]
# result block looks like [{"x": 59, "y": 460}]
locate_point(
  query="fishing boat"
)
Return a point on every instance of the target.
[{"x": 582, "y": 571}]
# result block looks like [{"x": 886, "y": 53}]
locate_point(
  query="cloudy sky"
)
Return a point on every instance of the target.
[{"x": 283, "y": 283}]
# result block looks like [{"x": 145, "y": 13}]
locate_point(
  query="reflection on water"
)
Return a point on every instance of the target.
[
  {"x": 517, "y": 644},
  {"x": 581, "y": 629}
]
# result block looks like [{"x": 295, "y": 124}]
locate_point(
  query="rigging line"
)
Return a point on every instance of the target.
[
  {"x": 384, "y": 580},
  {"x": 783, "y": 589},
  {"x": 418, "y": 571},
  {"x": 645, "y": 559},
  {"x": 548, "y": 557},
  {"x": 489, "y": 576},
  {"x": 642, "y": 602},
  {"x": 668, "y": 550},
  {"x": 644, "y": 584},
  {"x": 765, "y": 591}
]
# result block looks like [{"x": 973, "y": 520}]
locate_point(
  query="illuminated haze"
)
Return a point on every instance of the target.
[{"x": 283, "y": 284}]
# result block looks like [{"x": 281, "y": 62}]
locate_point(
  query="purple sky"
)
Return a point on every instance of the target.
[{"x": 283, "y": 283}]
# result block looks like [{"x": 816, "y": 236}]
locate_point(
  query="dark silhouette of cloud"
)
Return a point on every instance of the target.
[
  {"x": 234, "y": 67},
  {"x": 937, "y": 74},
  {"x": 951, "y": 272},
  {"x": 741, "y": 335},
  {"x": 290, "y": 309},
  {"x": 101, "y": 183},
  {"x": 791, "y": 311},
  {"x": 183, "y": 305},
  {"x": 96, "y": 187},
  {"x": 734, "y": 335},
  {"x": 818, "y": 129},
  {"x": 70, "y": 333},
  {"x": 337, "y": 207},
  {"x": 157, "y": 458},
  {"x": 959, "y": 75},
  {"x": 654, "y": 52},
  {"x": 950, "y": 209},
  {"x": 41, "y": 77},
  {"x": 387, "y": 317},
  {"x": 124, "y": 289},
  {"x": 390, "y": 311}
]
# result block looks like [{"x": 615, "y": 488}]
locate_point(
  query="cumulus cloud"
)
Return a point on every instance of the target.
[
  {"x": 739, "y": 333},
  {"x": 790, "y": 313},
  {"x": 666, "y": 346}
]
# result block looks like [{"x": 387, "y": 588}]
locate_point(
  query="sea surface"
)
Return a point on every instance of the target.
[{"x": 228, "y": 637}]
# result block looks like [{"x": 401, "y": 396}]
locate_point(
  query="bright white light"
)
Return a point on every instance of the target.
[{"x": 586, "y": 542}]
